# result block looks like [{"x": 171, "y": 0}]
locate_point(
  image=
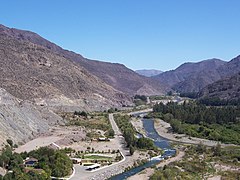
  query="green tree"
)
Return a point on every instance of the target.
[
  {"x": 10, "y": 142},
  {"x": 131, "y": 150}
]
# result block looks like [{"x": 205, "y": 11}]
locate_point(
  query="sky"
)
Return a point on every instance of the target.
[{"x": 141, "y": 34}]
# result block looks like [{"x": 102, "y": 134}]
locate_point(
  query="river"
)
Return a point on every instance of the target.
[{"x": 159, "y": 141}]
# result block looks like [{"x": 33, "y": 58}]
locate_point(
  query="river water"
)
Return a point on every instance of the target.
[{"x": 159, "y": 141}]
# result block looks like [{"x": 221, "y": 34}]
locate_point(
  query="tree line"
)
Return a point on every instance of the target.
[
  {"x": 215, "y": 123},
  {"x": 129, "y": 132},
  {"x": 194, "y": 113}
]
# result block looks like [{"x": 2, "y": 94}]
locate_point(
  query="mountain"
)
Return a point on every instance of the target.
[
  {"x": 37, "y": 73},
  {"x": 191, "y": 77},
  {"x": 224, "y": 89},
  {"x": 230, "y": 68},
  {"x": 122, "y": 78},
  {"x": 228, "y": 86},
  {"x": 22, "y": 120},
  {"x": 148, "y": 72},
  {"x": 115, "y": 75}
]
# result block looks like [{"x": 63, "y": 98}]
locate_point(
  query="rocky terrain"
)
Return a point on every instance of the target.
[
  {"x": 22, "y": 120},
  {"x": 32, "y": 72},
  {"x": 225, "y": 89},
  {"x": 149, "y": 72},
  {"x": 116, "y": 75}
]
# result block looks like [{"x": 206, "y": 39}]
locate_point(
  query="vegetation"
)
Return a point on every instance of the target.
[
  {"x": 198, "y": 163},
  {"x": 216, "y": 101},
  {"x": 112, "y": 110},
  {"x": 215, "y": 123},
  {"x": 140, "y": 100},
  {"x": 91, "y": 121},
  {"x": 83, "y": 113},
  {"x": 50, "y": 163},
  {"x": 97, "y": 157},
  {"x": 192, "y": 95},
  {"x": 129, "y": 134},
  {"x": 54, "y": 161}
]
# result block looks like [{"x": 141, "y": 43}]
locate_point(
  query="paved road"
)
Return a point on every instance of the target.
[{"x": 106, "y": 172}]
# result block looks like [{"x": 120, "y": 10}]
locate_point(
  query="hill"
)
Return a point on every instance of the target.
[
  {"x": 227, "y": 90},
  {"x": 33, "y": 72},
  {"x": 191, "y": 77},
  {"x": 149, "y": 72},
  {"x": 116, "y": 75}
]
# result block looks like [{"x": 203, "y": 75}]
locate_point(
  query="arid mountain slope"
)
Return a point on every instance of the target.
[
  {"x": 225, "y": 89},
  {"x": 191, "y": 77},
  {"x": 33, "y": 72},
  {"x": 148, "y": 72},
  {"x": 230, "y": 68},
  {"x": 122, "y": 78},
  {"x": 116, "y": 75},
  {"x": 21, "y": 120}
]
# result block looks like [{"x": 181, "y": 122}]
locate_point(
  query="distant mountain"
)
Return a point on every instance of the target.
[
  {"x": 230, "y": 68},
  {"x": 35, "y": 72},
  {"x": 116, "y": 75},
  {"x": 192, "y": 77},
  {"x": 148, "y": 72},
  {"x": 122, "y": 78},
  {"x": 228, "y": 86},
  {"x": 224, "y": 89}
]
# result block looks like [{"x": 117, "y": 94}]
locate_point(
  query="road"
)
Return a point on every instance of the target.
[{"x": 108, "y": 171}]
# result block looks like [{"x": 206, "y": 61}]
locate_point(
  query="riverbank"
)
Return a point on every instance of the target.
[
  {"x": 147, "y": 173},
  {"x": 164, "y": 129}
]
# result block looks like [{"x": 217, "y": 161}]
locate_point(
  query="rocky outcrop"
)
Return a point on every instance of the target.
[{"x": 22, "y": 120}]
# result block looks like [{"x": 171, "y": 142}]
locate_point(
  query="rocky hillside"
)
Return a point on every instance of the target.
[
  {"x": 230, "y": 68},
  {"x": 21, "y": 120},
  {"x": 33, "y": 72},
  {"x": 122, "y": 78},
  {"x": 116, "y": 75},
  {"x": 225, "y": 89},
  {"x": 148, "y": 72},
  {"x": 191, "y": 77}
]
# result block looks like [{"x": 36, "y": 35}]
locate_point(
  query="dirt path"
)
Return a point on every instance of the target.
[{"x": 36, "y": 143}]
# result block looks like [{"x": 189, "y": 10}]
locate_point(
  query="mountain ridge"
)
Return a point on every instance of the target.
[
  {"x": 191, "y": 77},
  {"x": 148, "y": 72},
  {"x": 128, "y": 82},
  {"x": 32, "y": 72}
]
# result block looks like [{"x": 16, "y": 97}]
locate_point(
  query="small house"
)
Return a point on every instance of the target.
[{"x": 30, "y": 162}]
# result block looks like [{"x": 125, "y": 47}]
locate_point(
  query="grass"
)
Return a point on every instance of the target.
[{"x": 97, "y": 157}]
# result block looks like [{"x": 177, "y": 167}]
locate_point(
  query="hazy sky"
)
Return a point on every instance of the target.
[{"x": 159, "y": 34}]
